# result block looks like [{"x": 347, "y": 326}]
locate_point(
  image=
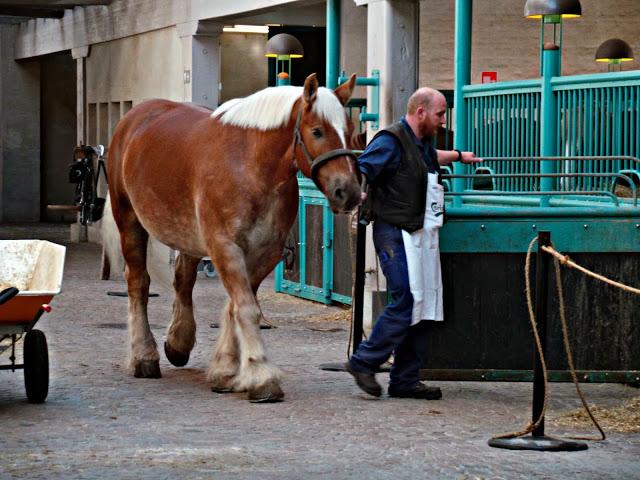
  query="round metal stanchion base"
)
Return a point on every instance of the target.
[
  {"x": 339, "y": 367},
  {"x": 543, "y": 444},
  {"x": 125, "y": 294}
]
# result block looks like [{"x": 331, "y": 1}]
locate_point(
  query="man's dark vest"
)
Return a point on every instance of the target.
[{"x": 400, "y": 200}]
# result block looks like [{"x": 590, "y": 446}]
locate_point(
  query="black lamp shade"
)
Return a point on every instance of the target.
[
  {"x": 284, "y": 44},
  {"x": 614, "y": 49},
  {"x": 564, "y": 8}
]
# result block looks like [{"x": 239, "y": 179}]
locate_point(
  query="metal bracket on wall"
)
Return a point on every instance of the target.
[{"x": 373, "y": 115}]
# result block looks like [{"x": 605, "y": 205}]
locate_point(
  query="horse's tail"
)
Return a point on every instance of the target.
[
  {"x": 112, "y": 260},
  {"x": 160, "y": 258}
]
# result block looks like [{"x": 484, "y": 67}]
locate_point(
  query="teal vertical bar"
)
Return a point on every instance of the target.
[
  {"x": 462, "y": 74},
  {"x": 625, "y": 126},
  {"x": 632, "y": 133},
  {"x": 572, "y": 136},
  {"x": 333, "y": 43},
  {"x": 279, "y": 275},
  {"x": 637, "y": 151},
  {"x": 327, "y": 251},
  {"x": 548, "y": 143},
  {"x": 302, "y": 235}
]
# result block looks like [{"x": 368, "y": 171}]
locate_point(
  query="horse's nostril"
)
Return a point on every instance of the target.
[{"x": 339, "y": 194}]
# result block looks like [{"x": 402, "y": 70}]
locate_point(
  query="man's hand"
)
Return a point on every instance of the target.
[{"x": 469, "y": 158}]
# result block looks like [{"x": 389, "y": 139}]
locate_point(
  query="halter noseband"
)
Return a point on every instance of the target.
[{"x": 316, "y": 163}]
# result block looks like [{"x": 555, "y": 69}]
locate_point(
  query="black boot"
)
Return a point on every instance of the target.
[
  {"x": 366, "y": 381},
  {"x": 420, "y": 391}
]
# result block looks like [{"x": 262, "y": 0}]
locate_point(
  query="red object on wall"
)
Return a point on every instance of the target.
[{"x": 489, "y": 77}]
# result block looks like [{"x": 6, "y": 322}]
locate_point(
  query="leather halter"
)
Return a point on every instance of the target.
[{"x": 315, "y": 163}]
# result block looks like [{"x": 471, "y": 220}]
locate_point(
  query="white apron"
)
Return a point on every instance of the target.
[{"x": 422, "y": 248}]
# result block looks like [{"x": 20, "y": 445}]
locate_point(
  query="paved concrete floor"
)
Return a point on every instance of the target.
[{"x": 98, "y": 422}]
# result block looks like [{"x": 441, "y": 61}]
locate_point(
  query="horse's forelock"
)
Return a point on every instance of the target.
[
  {"x": 328, "y": 107},
  {"x": 271, "y": 108}
]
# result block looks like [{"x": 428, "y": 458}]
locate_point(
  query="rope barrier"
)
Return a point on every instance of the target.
[
  {"x": 567, "y": 349},
  {"x": 565, "y": 260}
]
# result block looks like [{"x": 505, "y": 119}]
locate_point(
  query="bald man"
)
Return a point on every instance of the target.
[{"x": 406, "y": 201}]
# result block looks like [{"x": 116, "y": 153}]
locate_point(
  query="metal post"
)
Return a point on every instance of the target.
[
  {"x": 542, "y": 273},
  {"x": 549, "y": 118},
  {"x": 333, "y": 43},
  {"x": 358, "y": 296},
  {"x": 358, "y": 290},
  {"x": 462, "y": 74}
]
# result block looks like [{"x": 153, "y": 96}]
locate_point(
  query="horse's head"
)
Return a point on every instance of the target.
[{"x": 321, "y": 143}]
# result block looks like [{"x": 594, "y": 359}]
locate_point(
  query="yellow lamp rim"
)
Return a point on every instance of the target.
[
  {"x": 564, "y": 15},
  {"x": 614, "y": 59}
]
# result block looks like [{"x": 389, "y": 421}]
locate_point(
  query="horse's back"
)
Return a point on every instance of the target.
[
  {"x": 151, "y": 166},
  {"x": 148, "y": 117}
]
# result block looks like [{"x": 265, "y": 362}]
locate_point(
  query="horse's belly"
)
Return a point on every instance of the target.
[{"x": 176, "y": 230}]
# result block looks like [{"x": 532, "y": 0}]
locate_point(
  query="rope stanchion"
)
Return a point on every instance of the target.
[{"x": 538, "y": 440}]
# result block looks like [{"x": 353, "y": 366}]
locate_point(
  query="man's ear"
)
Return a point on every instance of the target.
[
  {"x": 310, "y": 89},
  {"x": 344, "y": 91}
]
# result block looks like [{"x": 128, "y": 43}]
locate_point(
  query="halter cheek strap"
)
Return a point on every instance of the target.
[{"x": 315, "y": 163}]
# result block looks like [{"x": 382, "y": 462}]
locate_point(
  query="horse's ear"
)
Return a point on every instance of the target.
[
  {"x": 344, "y": 91},
  {"x": 310, "y": 89}
]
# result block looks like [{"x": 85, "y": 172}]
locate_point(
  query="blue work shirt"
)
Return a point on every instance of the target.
[{"x": 382, "y": 156}]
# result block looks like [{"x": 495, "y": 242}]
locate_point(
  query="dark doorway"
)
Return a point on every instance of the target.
[
  {"x": 57, "y": 134},
  {"x": 313, "y": 41}
]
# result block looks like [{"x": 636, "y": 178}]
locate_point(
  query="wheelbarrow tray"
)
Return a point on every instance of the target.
[{"x": 35, "y": 268}]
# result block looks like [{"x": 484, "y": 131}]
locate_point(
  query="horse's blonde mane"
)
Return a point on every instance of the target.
[{"x": 271, "y": 108}]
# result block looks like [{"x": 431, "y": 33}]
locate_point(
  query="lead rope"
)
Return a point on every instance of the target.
[{"x": 567, "y": 349}]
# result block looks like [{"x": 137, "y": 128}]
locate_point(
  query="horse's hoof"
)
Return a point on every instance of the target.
[
  {"x": 177, "y": 359},
  {"x": 147, "y": 369},
  {"x": 217, "y": 389},
  {"x": 223, "y": 384},
  {"x": 267, "y": 393}
]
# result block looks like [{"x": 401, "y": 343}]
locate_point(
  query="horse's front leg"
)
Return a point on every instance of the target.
[
  {"x": 181, "y": 335},
  {"x": 255, "y": 375},
  {"x": 225, "y": 362}
]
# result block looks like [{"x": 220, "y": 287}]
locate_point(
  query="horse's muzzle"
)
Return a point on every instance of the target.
[{"x": 344, "y": 196}]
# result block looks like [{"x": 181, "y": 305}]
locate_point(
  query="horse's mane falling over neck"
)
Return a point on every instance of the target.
[{"x": 271, "y": 108}]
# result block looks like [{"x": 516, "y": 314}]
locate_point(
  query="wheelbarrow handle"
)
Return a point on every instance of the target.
[{"x": 7, "y": 294}]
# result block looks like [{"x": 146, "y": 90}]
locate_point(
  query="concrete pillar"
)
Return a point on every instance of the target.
[
  {"x": 19, "y": 133},
  {"x": 201, "y": 61},
  {"x": 392, "y": 48},
  {"x": 79, "y": 55}
]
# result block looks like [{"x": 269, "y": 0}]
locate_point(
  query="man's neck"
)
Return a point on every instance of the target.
[{"x": 413, "y": 123}]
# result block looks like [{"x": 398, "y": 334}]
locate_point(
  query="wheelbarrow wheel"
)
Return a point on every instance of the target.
[
  {"x": 36, "y": 366},
  {"x": 209, "y": 269}
]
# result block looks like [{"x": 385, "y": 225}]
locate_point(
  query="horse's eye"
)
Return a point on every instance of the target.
[{"x": 317, "y": 132}]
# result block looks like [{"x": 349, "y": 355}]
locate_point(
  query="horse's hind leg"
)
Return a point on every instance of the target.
[
  {"x": 181, "y": 335},
  {"x": 143, "y": 352}
]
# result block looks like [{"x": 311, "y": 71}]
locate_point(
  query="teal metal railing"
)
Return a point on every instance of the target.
[
  {"x": 597, "y": 131},
  {"x": 504, "y": 121},
  {"x": 598, "y": 115}
]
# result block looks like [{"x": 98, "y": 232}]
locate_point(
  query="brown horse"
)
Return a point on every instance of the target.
[{"x": 223, "y": 184}]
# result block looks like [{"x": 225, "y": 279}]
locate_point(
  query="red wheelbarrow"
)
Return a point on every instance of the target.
[{"x": 30, "y": 276}]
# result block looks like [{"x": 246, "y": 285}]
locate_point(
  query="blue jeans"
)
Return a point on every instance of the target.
[{"x": 392, "y": 331}]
